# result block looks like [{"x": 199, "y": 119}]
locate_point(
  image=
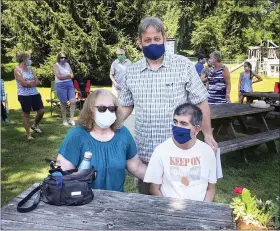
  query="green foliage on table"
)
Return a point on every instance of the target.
[{"x": 254, "y": 211}]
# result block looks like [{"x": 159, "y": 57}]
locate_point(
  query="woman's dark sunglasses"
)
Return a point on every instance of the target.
[
  {"x": 104, "y": 108},
  {"x": 63, "y": 58}
]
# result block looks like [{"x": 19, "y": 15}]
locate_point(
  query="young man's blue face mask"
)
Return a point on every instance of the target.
[{"x": 181, "y": 135}]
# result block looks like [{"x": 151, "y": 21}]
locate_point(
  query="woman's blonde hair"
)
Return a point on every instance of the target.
[
  {"x": 216, "y": 55},
  {"x": 22, "y": 57},
  {"x": 86, "y": 117}
]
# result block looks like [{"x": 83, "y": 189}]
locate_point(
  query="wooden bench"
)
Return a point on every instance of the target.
[
  {"x": 273, "y": 114},
  {"x": 249, "y": 141}
]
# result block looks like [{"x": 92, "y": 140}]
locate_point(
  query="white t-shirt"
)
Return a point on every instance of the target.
[{"x": 183, "y": 174}]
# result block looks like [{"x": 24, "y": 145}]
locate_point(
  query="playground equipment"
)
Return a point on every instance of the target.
[{"x": 264, "y": 58}]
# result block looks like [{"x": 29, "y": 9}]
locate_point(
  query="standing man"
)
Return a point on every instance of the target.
[
  {"x": 155, "y": 86},
  {"x": 200, "y": 64},
  {"x": 118, "y": 70}
]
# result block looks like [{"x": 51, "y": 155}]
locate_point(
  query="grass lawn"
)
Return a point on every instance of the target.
[{"x": 23, "y": 162}]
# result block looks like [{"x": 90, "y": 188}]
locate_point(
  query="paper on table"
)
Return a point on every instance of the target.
[{"x": 219, "y": 170}]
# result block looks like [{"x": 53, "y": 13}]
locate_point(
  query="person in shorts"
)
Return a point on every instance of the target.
[
  {"x": 28, "y": 95},
  {"x": 65, "y": 88}
]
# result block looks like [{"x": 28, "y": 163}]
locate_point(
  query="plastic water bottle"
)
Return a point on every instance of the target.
[{"x": 86, "y": 163}]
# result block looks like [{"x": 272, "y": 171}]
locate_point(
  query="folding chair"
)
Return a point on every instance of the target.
[
  {"x": 82, "y": 88},
  {"x": 6, "y": 103},
  {"x": 54, "y": 100},
  {"x": 277, "y": 87}
]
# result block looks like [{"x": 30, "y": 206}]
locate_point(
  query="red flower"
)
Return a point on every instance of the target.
[{"x": 238, "y": 190}]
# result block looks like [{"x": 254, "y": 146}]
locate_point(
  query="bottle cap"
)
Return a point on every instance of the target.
[{"x": 88, "y": 155}]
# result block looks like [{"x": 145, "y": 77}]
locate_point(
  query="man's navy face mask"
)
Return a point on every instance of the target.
[
  {"x": 181, "y": 135},
  {"x": 154, "y": 51}
]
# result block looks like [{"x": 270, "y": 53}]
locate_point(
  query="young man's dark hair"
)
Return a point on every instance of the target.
[
  {"x": 200, "y": 57},
  {"x": 192, "y": 110}
]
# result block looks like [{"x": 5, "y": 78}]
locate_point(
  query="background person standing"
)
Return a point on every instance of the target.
[
  {"x": 28, "y": 95},
  {"x": 64, "y": 87},
  {"x": 219, "y": 80},
  {"x": 118, "y": 70},
  {"x": 200, "y": 64}
]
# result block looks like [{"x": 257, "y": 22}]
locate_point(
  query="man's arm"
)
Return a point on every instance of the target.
[
  {"x": 125, "y": 112},
  {"x": 112, "y": 71},
  {"x": 114, "y": 81},
  {"x": 210, "y": 193},
  {"x": 155, "y": 190},
  {"x": 206, "y": 125}
]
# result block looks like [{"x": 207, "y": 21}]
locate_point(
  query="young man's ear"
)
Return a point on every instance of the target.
[{"x": 197, "y": 129}]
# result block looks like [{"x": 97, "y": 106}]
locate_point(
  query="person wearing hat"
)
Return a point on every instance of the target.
[{"x": 118, "y": 70}]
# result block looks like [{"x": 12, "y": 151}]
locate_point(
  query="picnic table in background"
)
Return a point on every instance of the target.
[
  {"x": 223, "y": 117},
  {"x": 119, "y": 211},
  {"x": 266, "y": 96}
]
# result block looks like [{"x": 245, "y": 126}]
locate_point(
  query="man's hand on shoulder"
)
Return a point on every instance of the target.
[{"x": 211, "y": 142}]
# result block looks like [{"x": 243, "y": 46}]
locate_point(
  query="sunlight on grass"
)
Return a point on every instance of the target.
[{"x": 10, "y": 88}]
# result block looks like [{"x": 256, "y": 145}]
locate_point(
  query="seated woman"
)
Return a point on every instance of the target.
[{"x": 99, "y": 131}]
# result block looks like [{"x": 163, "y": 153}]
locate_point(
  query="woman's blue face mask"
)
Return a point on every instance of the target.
[
  {"x": 29, "y": 62},
  {"x": 211, "y": 62}
]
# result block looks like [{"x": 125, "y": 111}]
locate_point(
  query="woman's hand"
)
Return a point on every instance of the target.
[
  {"x": 228, "y": 98},
  {"x": 31, "y": 83}
]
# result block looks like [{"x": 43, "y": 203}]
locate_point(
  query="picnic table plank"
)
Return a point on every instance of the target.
[
  {"x": 268, "y": 95},
  {"x": 235, "y": 110},
  {"x": 264, "y": 128},
  {"x": 249, "y": 141},
  {"x": 116, "y": 210}
]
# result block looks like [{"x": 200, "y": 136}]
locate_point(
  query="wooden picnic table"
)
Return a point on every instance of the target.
[
  {"x": 119, "y": 211},
  {"x": 223, "y": 117},
  {"x": 266, "y": 96}
]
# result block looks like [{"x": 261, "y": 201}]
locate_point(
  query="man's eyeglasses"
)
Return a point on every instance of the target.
[{"x": 104, "y": 108}]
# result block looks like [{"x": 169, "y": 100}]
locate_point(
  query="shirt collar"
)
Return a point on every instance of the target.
[
  {"x": 118, "y": 61},
  {"x": 165, "y": 62}
]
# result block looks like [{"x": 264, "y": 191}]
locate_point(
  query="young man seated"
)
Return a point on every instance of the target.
[{"x": 183, "y": 166}]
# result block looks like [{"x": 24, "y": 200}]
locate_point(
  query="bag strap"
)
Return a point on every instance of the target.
[{"x": 28, "y": 197}]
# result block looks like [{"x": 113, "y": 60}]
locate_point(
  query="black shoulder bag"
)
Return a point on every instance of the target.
[{"x": 62, "y": 188}]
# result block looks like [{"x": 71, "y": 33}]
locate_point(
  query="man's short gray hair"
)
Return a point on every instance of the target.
[
  {"x": 216, "y": 55},
  {"x": 151, "y": 21},
  {"x": 120, "y": 50}
]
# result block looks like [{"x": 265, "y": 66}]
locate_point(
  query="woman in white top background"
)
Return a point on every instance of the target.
[{"x": 64, "y": 87}]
